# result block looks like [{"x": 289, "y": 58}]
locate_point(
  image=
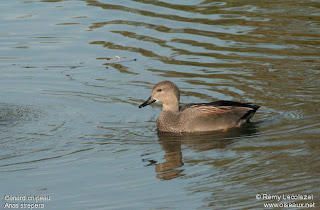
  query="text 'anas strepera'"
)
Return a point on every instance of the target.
[{"x": 218, "y": 115}]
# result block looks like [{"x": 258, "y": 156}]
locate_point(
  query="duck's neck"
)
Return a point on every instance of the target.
[{"x": 172, "y": 106}]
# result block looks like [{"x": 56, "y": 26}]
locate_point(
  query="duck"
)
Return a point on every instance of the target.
[{"x": 196, "y": 117}]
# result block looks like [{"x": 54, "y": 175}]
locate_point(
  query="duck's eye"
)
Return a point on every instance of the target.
[{"x": 159, "y": 90}]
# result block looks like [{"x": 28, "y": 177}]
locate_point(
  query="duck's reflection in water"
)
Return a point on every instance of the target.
[
  {"x": 173, "y": 155},
  {"x": 171, "y": 144}
]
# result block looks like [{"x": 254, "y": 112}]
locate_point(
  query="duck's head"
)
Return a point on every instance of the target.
[{"x": 165, "y": 92}]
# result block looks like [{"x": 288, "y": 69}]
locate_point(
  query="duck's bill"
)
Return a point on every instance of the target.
[{"x": 147, "y": 102}]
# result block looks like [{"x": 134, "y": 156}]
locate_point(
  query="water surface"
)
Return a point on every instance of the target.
[{"x": 72, "y": 74}]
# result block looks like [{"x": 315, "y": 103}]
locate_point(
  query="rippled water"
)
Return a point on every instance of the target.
[{"x": 73, "y": 73}]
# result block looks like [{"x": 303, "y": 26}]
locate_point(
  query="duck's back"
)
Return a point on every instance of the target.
[{"x": 215, "y": 115}]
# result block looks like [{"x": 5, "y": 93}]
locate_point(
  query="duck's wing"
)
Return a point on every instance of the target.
[
  {"x": 228, "y": 111},
  {"x": 234, "y": 104},
  {"x": 245, "y": 117},
  {"x": 207, "y": 109}
]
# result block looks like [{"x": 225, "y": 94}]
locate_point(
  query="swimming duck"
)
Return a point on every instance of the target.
[{"x": 196, "y": 117}]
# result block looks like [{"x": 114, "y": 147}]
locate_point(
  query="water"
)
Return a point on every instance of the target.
[{"x": 70, "y": 127}]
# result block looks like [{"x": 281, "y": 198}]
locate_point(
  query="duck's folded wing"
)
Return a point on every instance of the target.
[
  {"x": 210, "y": 111},
  {"x": 243, "y": 111},
  {"x": 215, "y": 115},
  {"x": 219, "y": 117}
]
